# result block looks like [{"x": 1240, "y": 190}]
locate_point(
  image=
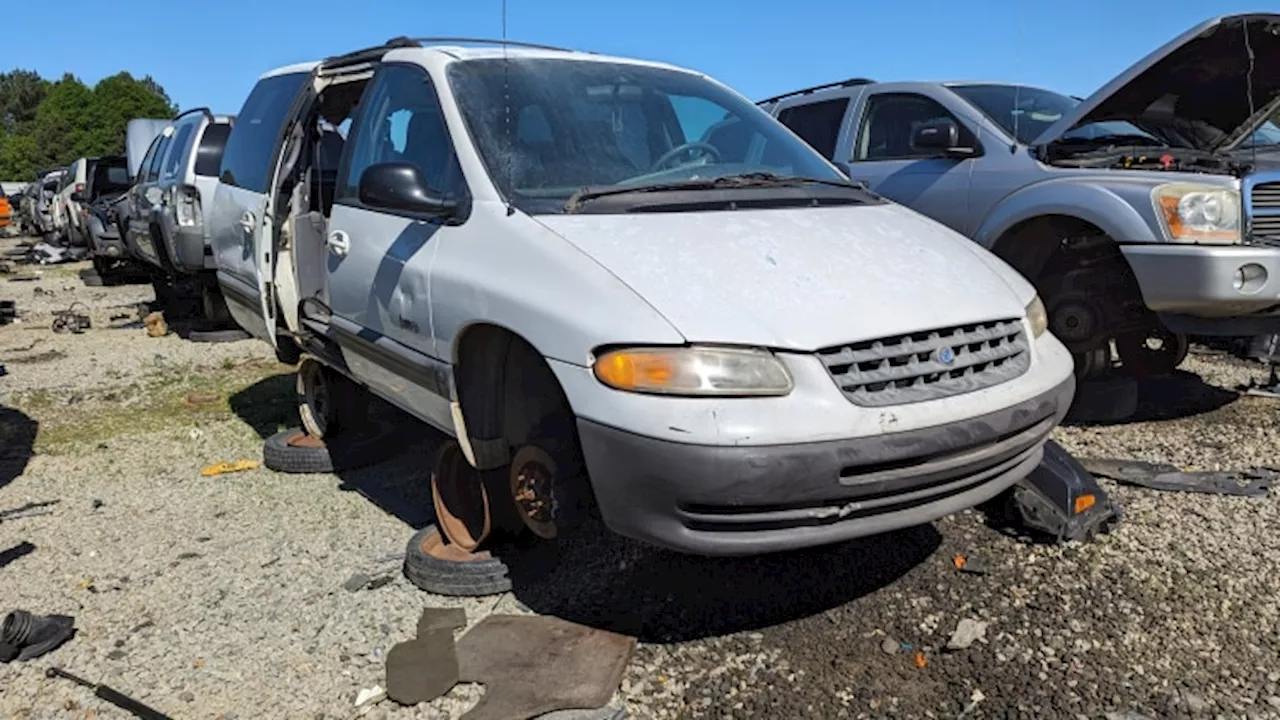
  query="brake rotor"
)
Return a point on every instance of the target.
[
  {"x": 533, "y": 475},
  {"x": 1074, "y": 320},
  {"x": 460, "y": 500}
]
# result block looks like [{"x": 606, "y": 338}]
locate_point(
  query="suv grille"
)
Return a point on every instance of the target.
[
  {"x": 911, "y": 368},
  {"x": 1264, "y": 211}
]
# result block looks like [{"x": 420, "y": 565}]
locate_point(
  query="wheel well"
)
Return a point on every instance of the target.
[
  {"x": 1032, "y": 244},
  {"x": 506, "y": 391}
]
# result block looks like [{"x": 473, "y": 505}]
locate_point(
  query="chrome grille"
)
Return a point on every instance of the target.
[
  {"x": 913, "y": 368},
  {"x": 1263, "y": 198}
]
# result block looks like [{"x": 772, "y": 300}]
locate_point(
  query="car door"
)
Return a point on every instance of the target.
[
  {"x": 236, "y": 221},
  {"x": 884, "y": 156},
  {"x": 378, "y": 268},
  {"x": 147, "y": 201}
]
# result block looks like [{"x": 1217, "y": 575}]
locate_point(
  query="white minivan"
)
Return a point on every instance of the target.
[{"x": 623, "y": 285}]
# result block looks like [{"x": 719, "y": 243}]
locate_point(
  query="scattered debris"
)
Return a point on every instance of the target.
[
  {"x": 22, "y": 549},
  {"x": 45, "y": 254},
  {"x": 25, "y": 511},
  {"x": 223, "y": 468},
  {"x": 889, "y": 646},
  {"x": 370, "y": 696},
  {"x": 974, "y": 564},
  {"x": 155, "y": 324},
  {"x": 115, "y": 697},
  {"x": 974, "y": 698},
  {"x": 921, "y": 660},
  {"x": 967, "y": 633},
  {"x": 70, "y": 321},
  {"x": 199, "y": 398},
  {"x": 1255, "y": 482},
  {"x": 426, "y": 667},
  {"x": 25, "y": 636},
  {"x": 8, "y": 311},
  {"x": 528, "y": 669},
  {"x": 356, "y": 582}
]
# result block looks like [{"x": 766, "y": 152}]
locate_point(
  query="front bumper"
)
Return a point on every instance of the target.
[
  {"x": 745, "y": 500},
  {"x": 1209, "y": 290}
]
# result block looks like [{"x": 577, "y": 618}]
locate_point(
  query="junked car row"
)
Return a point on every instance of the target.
[{"x": 625, "y": 289}]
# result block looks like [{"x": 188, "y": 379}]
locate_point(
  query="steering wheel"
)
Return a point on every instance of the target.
[{"x": 705, "y": 150}]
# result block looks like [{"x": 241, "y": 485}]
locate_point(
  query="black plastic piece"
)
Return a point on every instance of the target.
[
  {"x": 111, "y": 695},
  {"x": 34, "y": 635},
  {"x": 1046, "y": 500},
  {"x": 851, "y": 82}
]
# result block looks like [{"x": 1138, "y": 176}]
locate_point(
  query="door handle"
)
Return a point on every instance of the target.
[
  {"x": 247, "y": 221},
  {"x": 339, "y": 243}
]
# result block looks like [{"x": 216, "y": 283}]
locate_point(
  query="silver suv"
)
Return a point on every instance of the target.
[
  {"x": 1147, "y": 212},
  {"x": 620, "y": 281}
]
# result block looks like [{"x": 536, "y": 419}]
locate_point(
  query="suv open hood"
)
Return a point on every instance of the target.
[{"x": 1199, "y": 77}]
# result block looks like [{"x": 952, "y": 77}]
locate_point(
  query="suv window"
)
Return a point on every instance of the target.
[
  {"x": 212, "y": 145},
  {"x": 890, "y": 121},
  {"x": 153, "y": 169},
  {"x": 109, "y": 177},
  {"x": 181, "y": 145},
  {"x": 399, "y": 120},
  {"x": 817, "y": 123},
  {"x": 251, "y": 145}
]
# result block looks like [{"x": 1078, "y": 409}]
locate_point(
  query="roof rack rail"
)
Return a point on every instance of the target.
[
  {"x": 486, "y": 41},
  {"x": 851, "y": 82}
]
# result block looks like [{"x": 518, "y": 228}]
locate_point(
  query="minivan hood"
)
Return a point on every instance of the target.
[
  {"x": 1198, "y": 76},
  {"x": 798, "y": 279}
]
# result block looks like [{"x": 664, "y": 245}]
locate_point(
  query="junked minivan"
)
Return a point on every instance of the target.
[{"x": 623, "y": 285}]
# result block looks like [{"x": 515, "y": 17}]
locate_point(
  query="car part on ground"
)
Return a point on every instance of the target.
[
  {"x": 527, "y": 668},
  {"x": 437, "y": 566},
  {"x": 217, "y": 336},
  {"x": 92, "y": 278},
  {"x": 70, "y": 321},
  {"x": 1254, "y": 482},
  {"x": 328, "y": 401},
  {"x": 1103, "y": 399},
  {"x": 111, "y": 695},
  {"x": 1061, "y": 500},
  {"x": 8, "y": 311},
  {"x": 426, "y": 667},
  {"x": 294, "y": 451},
  {"x": 25, "y": 636}
]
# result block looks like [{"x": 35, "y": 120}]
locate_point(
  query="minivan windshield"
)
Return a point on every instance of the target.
[
  {"x": 547, "y": 128},
  {"x": 1025, "y": 112}
]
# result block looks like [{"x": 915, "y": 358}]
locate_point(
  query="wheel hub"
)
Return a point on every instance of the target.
[
  {"x": 1074, "y": 320},
  {"x": 533, "y": 475}
]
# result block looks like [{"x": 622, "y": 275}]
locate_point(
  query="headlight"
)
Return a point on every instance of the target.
[
  {"x": 1199, "y": 214},
  {"x": 694, "y": 371},
  {"x": 1037, "y": 317}
]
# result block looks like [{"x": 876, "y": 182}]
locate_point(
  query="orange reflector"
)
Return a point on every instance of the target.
[
  {"x": 921, "y": 660},
  {"x": 1084, "y": 502},
  {"x": 959, "y": 560}
]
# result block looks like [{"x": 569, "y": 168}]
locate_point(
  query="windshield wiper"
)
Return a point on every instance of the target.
[{"x": 743, "y": 180}]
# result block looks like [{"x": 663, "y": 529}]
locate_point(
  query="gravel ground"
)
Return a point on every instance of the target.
[{"x": 223, "y": 596}]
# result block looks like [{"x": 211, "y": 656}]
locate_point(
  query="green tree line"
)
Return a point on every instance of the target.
[{"x": 50, "y": 123}]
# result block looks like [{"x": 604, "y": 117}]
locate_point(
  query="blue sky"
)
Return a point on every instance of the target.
[{"x": 211, "y": 53}]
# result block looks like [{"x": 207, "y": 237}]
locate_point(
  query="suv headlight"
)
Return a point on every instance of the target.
[
  {"x": 1199, "y": 214},
  {"x": 1037, "y": 318},
  {"x": 694, "y": 371}
]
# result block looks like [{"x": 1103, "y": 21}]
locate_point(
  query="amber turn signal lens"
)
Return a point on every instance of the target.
[{"x": 1084, "y": 502}]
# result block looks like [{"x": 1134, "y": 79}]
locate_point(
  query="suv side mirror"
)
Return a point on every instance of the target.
[
  {"x": 942, "y": 136},
  {"x": 843, "y": 167},
  {"x": 401, "y": 187},
  {"x": 77, "y": 197}
]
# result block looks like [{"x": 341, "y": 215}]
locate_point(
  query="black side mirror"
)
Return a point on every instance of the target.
[
  {"x": 941, "y": 136},
  {"x": 401, "y": 187},
  {"x": 77, "y": 197},
  {"x": 843, "y": 167}
]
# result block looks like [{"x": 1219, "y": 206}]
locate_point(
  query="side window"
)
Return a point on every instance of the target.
[
  {"x": 148, "y": 158},
  {"x": 817, "y": 123},
  {"x": 212, "y": 145},
  {"x": 246, "y": 162},
  {"x": 181, "y": 143},
  {"x": 890, "y": 121},
  {"x": 399, "y": 120},
  {"x": 153, "y": 170}
]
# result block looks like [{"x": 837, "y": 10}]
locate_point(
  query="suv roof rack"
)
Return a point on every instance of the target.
[
  {"x": 851, "y": 82},
  {"x": 375, "y": 52}
]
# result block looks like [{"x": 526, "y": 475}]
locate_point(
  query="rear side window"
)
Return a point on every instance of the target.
[
  {"x": 181, "y": 146},
  {"x": 109, "y": 177},
  {"x": 247, "y": 158},
  {"x": 212, "y": 145},
  {"x": 817, "y": 123},
  {"x": 153, "y": 169}
]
